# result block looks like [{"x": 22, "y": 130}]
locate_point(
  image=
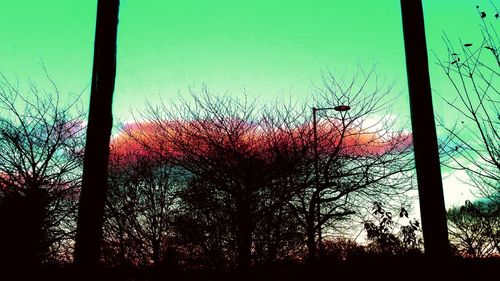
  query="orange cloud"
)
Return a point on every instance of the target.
[{"x": 202, "y": 137}]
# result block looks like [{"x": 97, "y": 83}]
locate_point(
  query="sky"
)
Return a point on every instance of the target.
[{"x": 264, "y": 48}]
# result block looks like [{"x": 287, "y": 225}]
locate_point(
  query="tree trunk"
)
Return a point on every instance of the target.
[
  {"x": 23, "y": 232},
  {"x": 156, "y": 252},
  {"x": 311, "y": 217},
  {"x": 244, "y": 236},
  {"x": 311, "y": 237},
  {"x": 36, "y": 215},
  {"x": 95, "y": 167},
  {"x": 427, "y": 163}
]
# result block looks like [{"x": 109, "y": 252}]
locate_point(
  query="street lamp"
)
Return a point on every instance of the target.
[{"x": 340, "y": 108}]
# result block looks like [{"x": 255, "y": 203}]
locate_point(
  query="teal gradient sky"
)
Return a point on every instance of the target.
[{"x": 266, "y": 47}]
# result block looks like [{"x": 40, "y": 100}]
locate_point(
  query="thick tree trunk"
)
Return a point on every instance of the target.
[
  {"x": 23, "y": 233},
  {"x": 427, "y": 164},
  {"x": 94, "y": 180},
  {"x": 35, "y": 208}
]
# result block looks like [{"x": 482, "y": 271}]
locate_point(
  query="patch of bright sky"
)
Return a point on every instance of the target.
[
  {"x": 264, "y": 47},
  {"x": 269, "y": 48}
]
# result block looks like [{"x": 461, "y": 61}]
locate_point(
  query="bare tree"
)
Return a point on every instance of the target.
[
  {"x": 233, "y": 164},
  {"x": 475, "y": 229},
  {"x": 205, "y": 235},
  {"x": 41, "y": 145},
  {"x": 361, "y": 155},
  {"x": 248, "y": 169},
  {"x": 472, "y": 142},
  {"x": 140, "y": 206}
]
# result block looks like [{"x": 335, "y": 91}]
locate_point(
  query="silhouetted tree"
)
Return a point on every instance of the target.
[
  {"x": 255, "y": 172},
  {"x": 362, "y": 156},
  {"x": 219, "y": 141},
  {"x": 473, "y": 140},
  {"x": 475, "y": 228},
  {"x": 140, "y": 205},
  {"x": 205, "y": 235},
  {"x": 41, "y": 145}
]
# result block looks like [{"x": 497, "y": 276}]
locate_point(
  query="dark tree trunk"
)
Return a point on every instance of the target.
[
  {"x": 35, "y": 209},
  {"x": 311, "y": 238},
  {"x": 23, "y": 233},
  {"x": 244, "y": 236},
  {"x": 156, "y": 252},
  {"x": 95, "y": 167},
  {"x": 427, "y": 163},
  {"x": 311, "y": 217}
]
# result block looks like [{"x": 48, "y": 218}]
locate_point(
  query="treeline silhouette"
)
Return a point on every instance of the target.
[{"x": 217, "y": 188}]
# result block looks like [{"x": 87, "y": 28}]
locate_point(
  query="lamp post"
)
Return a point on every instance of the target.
[{"x": 340, "y": 108}]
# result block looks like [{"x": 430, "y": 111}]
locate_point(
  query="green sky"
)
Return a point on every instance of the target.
[{"x": 265, "y": 47}]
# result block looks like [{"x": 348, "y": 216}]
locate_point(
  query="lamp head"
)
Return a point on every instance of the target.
[{"x": 342, "y": 108}]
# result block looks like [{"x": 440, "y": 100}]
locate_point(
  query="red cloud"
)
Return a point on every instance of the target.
[{"x": 149, "y": 140}]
